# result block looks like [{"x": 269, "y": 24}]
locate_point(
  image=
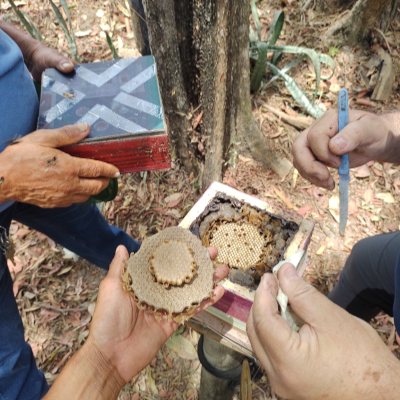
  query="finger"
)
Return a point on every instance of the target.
[
  {"x": 63, "y": 64},
  {"x": 117, "y": 264},
  {"x": 309, "y": 304},
  {"x": 218, "y": 293},
  {"x": 59, "y": 137},
  {"x": 93, "y": 169},
  {"x": 269, "y": 327},
  {"x": 319, "y": 136},
  {"x": 213, "y": 252},
  {"x": 256, "y": 344},
  {"x": 221, "y": 272},
  {"x": 308, "y": 166},
  {"x": 92, "y": 186}
]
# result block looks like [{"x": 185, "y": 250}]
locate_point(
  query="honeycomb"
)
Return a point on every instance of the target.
[
  {"x": 250, "y": 241},
  {"x": 172, "y": 263},
  {"x": 239, "y": 245},
  {"x": 176, "y": 247}
]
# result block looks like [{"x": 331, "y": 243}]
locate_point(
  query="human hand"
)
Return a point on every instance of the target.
[
  {"x": 42, "y": 57},
  {"x": 367, "y": 137},
  {"x": 129, "y": 338},
  {"x": 333, "y": 356},
  {"x": 34, "y": 171}
]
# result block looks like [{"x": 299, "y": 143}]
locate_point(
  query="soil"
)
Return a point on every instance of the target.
[{"x": 44, "y": 281}]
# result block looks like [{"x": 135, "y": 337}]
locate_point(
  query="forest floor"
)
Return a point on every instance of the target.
[{"x": 45, "y": 282}]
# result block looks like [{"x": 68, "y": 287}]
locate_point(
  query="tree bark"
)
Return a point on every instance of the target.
[
  {"x": 202, "y": 56},
  {"x": 354, "y": 29}
]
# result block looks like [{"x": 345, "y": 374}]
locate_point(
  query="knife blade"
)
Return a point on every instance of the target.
[{"x": 344, "y": 176}]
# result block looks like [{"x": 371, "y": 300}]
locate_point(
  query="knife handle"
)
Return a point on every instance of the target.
[{"x": 343, "y": 110}]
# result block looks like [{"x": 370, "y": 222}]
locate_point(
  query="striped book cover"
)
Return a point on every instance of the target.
[{"x": 120, "y": 100}]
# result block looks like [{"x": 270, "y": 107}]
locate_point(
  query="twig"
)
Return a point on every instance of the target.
[
  {"x": 258, "y": 387},
  {"x": 384, "y": 37},
  {"x": 61, "y": 310},
  {"x": 145, "y": 394},
  {"x": 306, "y": 5}
]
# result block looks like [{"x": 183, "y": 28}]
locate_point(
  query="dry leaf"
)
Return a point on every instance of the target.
[
  {"x": 386, "y": 197},
  {"x": 173, "y": 203},
  {"x": 182, "y": 347},
  {"x": 362, "y": 172},
  {"x": 151, "y": 381},
  {"x": 283, "y": 198},
  {"x": 368, "y": 195},
  {"x": 334, "y": 207},
  {"x": 64, "y": 270},
  {"x": 173, "y": 197}
]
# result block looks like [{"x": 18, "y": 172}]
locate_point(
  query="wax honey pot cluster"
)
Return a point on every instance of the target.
[{"x": 249, "y": 240}]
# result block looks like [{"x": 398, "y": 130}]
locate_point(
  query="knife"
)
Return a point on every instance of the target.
[{"x": 344, "y": 176}]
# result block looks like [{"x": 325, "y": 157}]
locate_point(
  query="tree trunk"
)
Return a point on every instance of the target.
[
  {"x": 354, "y": 29},
  {"x": 202, "y": 56}
]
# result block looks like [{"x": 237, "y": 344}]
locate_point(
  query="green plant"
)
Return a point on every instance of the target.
[
  {"x": 28, "y": 23},
  {"x": 259, "y": 50},
  {"x": 112, "y": 48},
  {"x": 69, "y": 33}
]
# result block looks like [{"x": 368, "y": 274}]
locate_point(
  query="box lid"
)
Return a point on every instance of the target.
[{"x": 116, "y": 98}]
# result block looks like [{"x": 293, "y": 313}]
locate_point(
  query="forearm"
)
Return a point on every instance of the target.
[
  {"x": 87, "y": 375},
  {"x": 391, "y": 125},
  {"x": 25, "y": 42}
]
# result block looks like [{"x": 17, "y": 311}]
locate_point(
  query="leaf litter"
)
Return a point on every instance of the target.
[{"x": 45, "y": 284}]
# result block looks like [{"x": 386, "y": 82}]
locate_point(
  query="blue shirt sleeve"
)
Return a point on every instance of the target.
[{"x": 19, "y": 103}]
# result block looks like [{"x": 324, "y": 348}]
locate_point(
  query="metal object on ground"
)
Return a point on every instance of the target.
[
  {"x": 221, "y": 358},
  {"x": 344, "y": 176}
]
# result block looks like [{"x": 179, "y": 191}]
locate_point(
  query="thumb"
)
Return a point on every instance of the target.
[
  {"x": 348, "y": 139},
  {"x": 308, "y": 304},
  {"x": 59, "y": 137},
  {"x": 117, "y": 264}
]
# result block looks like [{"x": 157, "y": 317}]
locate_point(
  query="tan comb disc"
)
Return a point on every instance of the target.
[
  {"x": 172, "y": 263},
  {"x": 177, "y": 302}
]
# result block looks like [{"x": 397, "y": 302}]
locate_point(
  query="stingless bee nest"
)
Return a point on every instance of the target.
[
  {"x": 249, "y": 240},
  {"x": 171, "y": 274}
]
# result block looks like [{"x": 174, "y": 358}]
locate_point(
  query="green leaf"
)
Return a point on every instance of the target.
[
  {"x": 36, "y": 31},
  {"x": 255, "y": 16},
  {"x": 259, "y": 68},
  {"x": 182, "y": 347},
  {"x": 276, "y": 57},
  {"x": 332, "y": 51},
  {"x": 276, "y": 27},
  {"x": 27, "y": 25},
  {"x": 286, "y": 68},
  {"x": 252, "y": 36},
  {"x": 297, "y": 93},
  {"x": 312, "y": 54},
  {"x": 112, "y": 48},
  {"x": 61, "y": 21},
  {"x": 108, "y": 194},
  {"x": 326, "y": 59}
]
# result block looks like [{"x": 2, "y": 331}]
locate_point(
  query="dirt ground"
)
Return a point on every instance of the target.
[{"x": 56, "y": 296}]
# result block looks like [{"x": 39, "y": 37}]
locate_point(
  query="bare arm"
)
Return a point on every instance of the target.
[
  {"x": 37, "y": 57},
  {"x": 122, "y": 340}
]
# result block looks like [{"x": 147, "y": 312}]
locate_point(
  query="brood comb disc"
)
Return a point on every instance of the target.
[
  {"x": 239, "y": 245},
  {"x": 172, "y": 263},
  {"x": 178, "y": 302}
]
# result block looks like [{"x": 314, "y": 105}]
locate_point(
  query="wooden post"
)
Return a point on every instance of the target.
[{"x": 222, "y": 358}]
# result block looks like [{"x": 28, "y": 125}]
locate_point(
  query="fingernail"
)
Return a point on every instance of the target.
[
  {"x": 83, "y": 127},
  {"x": 339, "y": 142},
  {"x": 291, "y": 272},
  {"x": 117, "y": 174},
  {"x": 66, "y": 65}
]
